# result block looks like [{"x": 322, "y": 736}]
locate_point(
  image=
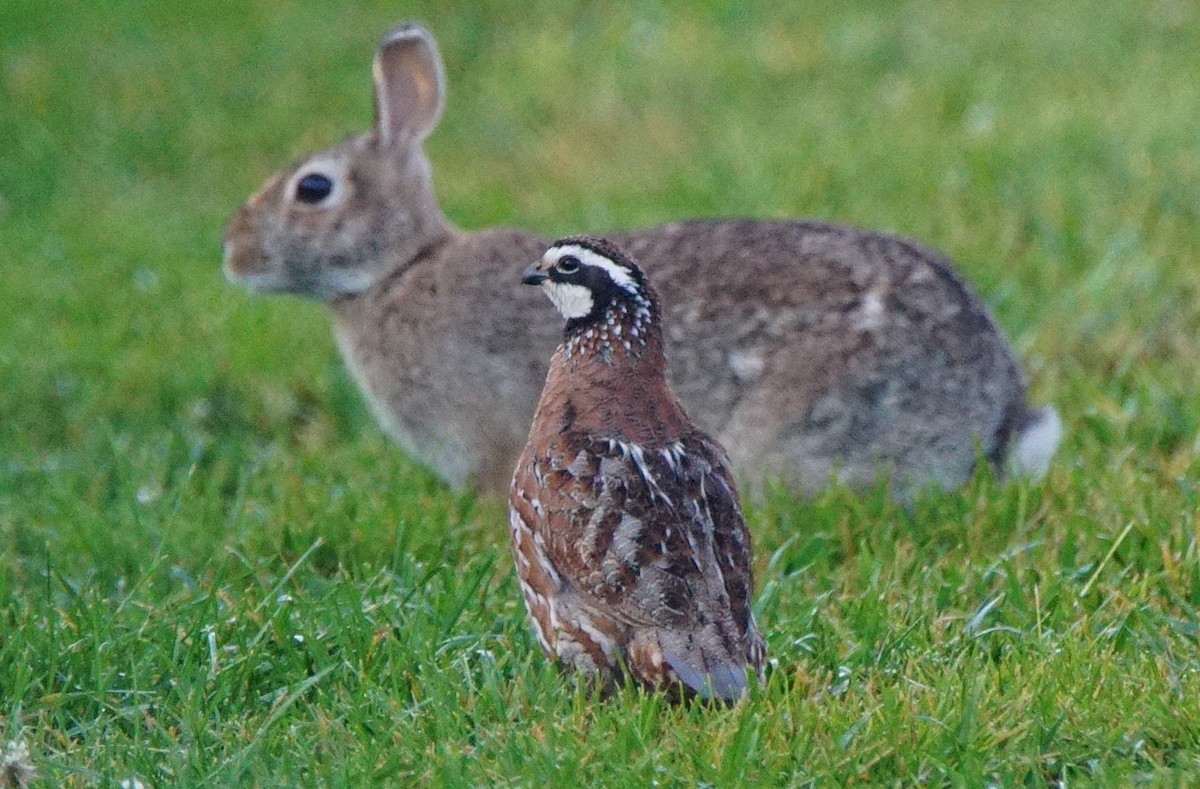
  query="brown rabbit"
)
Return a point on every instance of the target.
[{"x": 810, "y": 350}]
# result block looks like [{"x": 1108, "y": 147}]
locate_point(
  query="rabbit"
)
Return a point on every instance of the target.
[{"x": 814, "y": 352}]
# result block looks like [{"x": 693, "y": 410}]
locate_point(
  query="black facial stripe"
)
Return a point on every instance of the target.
[
  {"x": 606, "y": 249},
  {"x": 558, "y": 276},
  {"x": 604, "y": 291}
]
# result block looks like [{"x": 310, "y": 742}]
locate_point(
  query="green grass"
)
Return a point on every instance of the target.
[{"x": 214, "y": 571}]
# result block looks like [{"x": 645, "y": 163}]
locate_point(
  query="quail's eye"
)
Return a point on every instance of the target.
[
  {"x": 313, "y": 188},
  {"x": 568, "y": 265}
]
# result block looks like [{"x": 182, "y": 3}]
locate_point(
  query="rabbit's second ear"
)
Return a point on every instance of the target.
[{"x": 409, "y": 85}]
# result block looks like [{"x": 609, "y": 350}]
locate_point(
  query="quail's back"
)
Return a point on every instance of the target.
[{"x": 628, "y": 536}]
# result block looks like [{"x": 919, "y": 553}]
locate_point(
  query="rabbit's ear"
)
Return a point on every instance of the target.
[{"x": 409, "y": 85}]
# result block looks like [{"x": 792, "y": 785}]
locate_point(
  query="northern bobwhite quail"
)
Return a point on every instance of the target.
[{"x": 629, "y": 540}]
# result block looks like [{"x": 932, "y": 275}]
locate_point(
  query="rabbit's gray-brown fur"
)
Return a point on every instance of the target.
[{"x": 809, "y": 349}]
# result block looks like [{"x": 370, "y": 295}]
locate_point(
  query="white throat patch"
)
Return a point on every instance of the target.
[{"x": 572, "y": 301}]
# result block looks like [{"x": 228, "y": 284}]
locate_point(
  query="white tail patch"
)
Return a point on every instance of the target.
[{"x": 1035, "y": 445}]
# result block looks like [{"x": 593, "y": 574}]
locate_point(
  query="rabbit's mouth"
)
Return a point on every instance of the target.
[
  {"x": 254, "y": 269},
  {"x": 244, "y": 269},
  {"x": 251, "y": 269},
  {"x": 243, "y": 257}
]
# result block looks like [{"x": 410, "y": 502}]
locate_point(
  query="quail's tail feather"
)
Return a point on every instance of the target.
[
  {"x": 704, "y": 663},
  {"x": 722, "y": 680}
]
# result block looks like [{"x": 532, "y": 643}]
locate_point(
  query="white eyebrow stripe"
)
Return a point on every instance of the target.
[{"x": 587, "y": 257}]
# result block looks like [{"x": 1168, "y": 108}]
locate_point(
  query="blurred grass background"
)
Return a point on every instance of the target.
[{"x": 215, "y": 570}]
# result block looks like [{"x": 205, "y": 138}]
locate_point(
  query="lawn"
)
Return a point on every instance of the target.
[{"x": 215, "y": 571}]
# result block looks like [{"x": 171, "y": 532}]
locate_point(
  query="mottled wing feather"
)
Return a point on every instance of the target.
[
  {"x": 731, "y": 537},
  {"x": 620, "y": 531},
  {"x": 654, "y": 541}
]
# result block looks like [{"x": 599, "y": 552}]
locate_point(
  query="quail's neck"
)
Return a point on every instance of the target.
[
  {"x": 611, "y": 376},
  {"x": 626, "y": 332}
]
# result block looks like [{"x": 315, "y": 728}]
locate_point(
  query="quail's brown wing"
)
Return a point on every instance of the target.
[
  {"x": 731, "y": 537},
  {"x": 654, "y": 537}
]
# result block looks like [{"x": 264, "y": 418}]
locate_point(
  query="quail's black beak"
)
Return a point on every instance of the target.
[{"x": 533, "y": 276}]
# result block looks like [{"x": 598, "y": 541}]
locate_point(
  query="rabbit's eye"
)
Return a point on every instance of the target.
[
  {"x": 568, "y": 265},
  {"x": 313, "y": 188}
]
